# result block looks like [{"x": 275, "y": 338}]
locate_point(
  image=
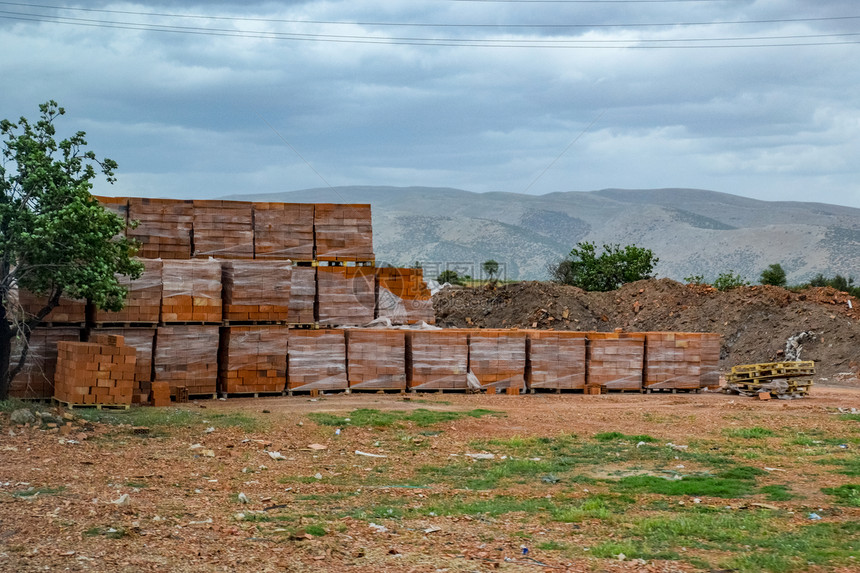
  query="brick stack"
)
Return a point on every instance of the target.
[
  {"x": 256, "y": 291},
  {"x": 439, "y": 359},
  {"x": 96, "y": 372},
  {"x": 316, "y": 360},
  {"x": 377, "y": 359},
  {"x": 673, "y": 360},
  {"x": 710, "y": 357},
  {"x": 142, "y": 340},
  {"x": 163, "y": 229},
  {"x": 223, "y": 229},
  {"x": 143, "y": 303},
  {"x": 557, "y": 360},
  {"x": 116, "y": 205},
  {"x": 303, "y": 289},
  {"x": 284, "y": 231},
  {"x": 191, "y": 291},
  {"x": 403, "y": 297},
  {"x": 36, "y": 378},
  {"x": 187, "y": 357},
  {"x": 498, "y": 358},
  {"x": 615, "y": 360},
  {"x": 345, "y": 295},
  {"x": 253, "y": 359},
  {"x": 343, "y": 232},
  {"x": 69, "y": 311},
  {"x": 159, "y": 394}
]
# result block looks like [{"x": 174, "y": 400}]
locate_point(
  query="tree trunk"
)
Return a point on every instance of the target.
[{"x": 6, "y": 336}]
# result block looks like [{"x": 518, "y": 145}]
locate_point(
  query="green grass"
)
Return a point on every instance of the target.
[
  {"x": 156, "y": 418},
  {"x": 13, "y": 404},
  {"x": 848, "y": 466},
  {"x": 777, "y": 492},
  {"x": 848, "y": 494},
  {"x": 700, "y": 486},
  {"x": 618, "y": 436},
  {"x": 552, "y": 546},
  {"x": 109, "y": 532},
  {"x": 750, "y": 433},
  {"x": 370, "y": 418},
  {"x": 849, "y": 417}
]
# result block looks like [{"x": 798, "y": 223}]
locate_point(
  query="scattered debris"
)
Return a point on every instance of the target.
[{"x": 360, "y": 453}]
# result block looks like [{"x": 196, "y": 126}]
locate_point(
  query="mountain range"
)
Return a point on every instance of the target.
[{"x": 692, "y": 231}]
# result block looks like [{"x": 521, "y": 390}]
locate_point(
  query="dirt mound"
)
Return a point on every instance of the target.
[{"x": 754, "y": 321}]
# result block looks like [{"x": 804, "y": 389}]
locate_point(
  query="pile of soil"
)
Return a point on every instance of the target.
[{"x": 754, "y": 321}]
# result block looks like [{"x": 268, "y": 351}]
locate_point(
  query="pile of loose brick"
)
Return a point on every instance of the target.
[{"x": 251, "y": 298}]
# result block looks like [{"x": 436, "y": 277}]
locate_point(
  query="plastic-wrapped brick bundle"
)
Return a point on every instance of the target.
[
  {"x": 498, "y": 357},
  {"x": 711, "y": 344},
  {"x": 673, "y": 360},
  {"x": 191, "y": 291},
  {"x": 186, "y": 356},
  {"x": 253, "y": 359},
  {"x": 303, "y": 291},
  {"x": 223, "y": 229},
  {"x": 345, "y": 295},
  {"x": 163, "y": 227},
  {"x": 343, "y": 232},
  {"x": 97, "y": 372},
  {"x": 36, "y": 378},
  {"x": 377, "y": 359},
  {"x": 316, "y": 360},
  {"x": 116, "y": 205},
  {"x": 143, "y": 303},
  {"x": 141, "y": 339},
  {"x": 256, "y": 291},
  {"x": 615, "y": 360},
  {"x": 556, "y": 359},
  {"x": 403, "y": 297},
  {"x": 284, "y": 231},
  {"x": 69, "y": 311},
  {"x": 438, "y": 359}
]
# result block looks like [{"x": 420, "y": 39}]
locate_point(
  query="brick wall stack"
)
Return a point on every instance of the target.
[
  {"x": 615, "y": 360},
  {"x": 403, "y": 297},
  {"x": 116, "y": 205},
  {"x": 345, "y": 295},
  {"x": 186, "y": 356},
  {"x": 439, "y": 359},
  {"x": 377, "y": 359},
  {"x": 673, "y": 360},
  {"x": 164, "y": 227},
  {"x": 303, "y": 289},
  {"x": 69, "y": 311},
  {"x": 142, "y": 340},
  {"x": 253, "y": 359},
  {"x": 36, "y": 378},
  {"x": 223, "y": 229},
  {"x": 256, "y": 291},
  {"x": 498, "y": 358},
  {"x": 316, "y": 360},
  {"x": 284, "y": 231},
  {"x": 343, "y": 232},
  {"x": 97, "y": 372},
  {"x": 556, "y": 360},
  {"x": 711, "y": 346},
  {"x": 191, "y": 291},
  {"x": 143, "y": 303}
]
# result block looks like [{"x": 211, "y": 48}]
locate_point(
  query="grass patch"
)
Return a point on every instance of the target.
[
  {"x": 370, "y": 418},
  {"x": 848, "y": 494},
  {"x": 618, "y": 436},
  {"x": 750, "y": 433},
  {"x": 13, "y": 404},
  {"x": 631, "y": 550},
  {"x": 172, "y": 418},
  {"x": 849, "y": 417},
  {"x": 109, "y": 532},
  {"x": 777, "y": 492},
  {"x": 700, "y": 486},
  {"x": 849, "y": 466},
  {"x": 493, "y": 507},
  {"x": 552, "y": 546}
]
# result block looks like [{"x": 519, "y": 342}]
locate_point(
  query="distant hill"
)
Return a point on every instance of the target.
[{"x": 692, "y": 231}]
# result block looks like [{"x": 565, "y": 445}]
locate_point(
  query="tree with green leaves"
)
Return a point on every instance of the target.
[
  {"x": 55, "y": 239},
  {"x": 613, "y": 267},
  {"x": 774, "y": 275},
  {"x": 451, "y": 277},
  {"x": 491, "y": 268}
]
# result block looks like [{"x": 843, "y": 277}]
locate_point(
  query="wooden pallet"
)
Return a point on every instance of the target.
[
  {"x": 72, "y": 406},
  {"x": 771, "y": 370}
]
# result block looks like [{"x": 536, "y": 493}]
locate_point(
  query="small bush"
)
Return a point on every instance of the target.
[{"x": 729, "y": 281}]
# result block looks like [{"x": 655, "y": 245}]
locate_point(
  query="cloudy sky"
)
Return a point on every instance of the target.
[{"x": 204, "y": 99}]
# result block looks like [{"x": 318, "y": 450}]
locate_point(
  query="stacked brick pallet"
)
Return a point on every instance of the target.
[
  {"x": 223, "y": 229},
  {"x": 498, "y": 358},
  {"x": 36, "y": 379},
  {"x": 316, "y": 360},
  {"x": 303, "y": 289},
  {"x": 680, "y": 360},
  {"x": 143, "y": 303},
  {"x": 284, "y": 231},
  {"x": 186, "y": 357},
  {"x": 256, "y": 291},
  {"x": 403, "y": 297},
  {"x": 345, "y": 296},
  {"x": 556, "y": 360},
  {"x": 163, "y": 229},
  {"x": 143, "y": 342},
  {"x": 438, "y": 359},
  {"x": 69, "y": 311},
  {"x": 191, "y": 291},
  {"x": 253, "y": 359},
  {"x": 343, "y": 233},
  {"x": 97, "y": 372},
  {"x": 376, "y": 359},
  {"x": 615, "y": 360}
]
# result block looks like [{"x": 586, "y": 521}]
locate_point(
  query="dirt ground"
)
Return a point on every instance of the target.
[
  {"x": 327, "y": 506},
  {"x": 754, "y": 321}
]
